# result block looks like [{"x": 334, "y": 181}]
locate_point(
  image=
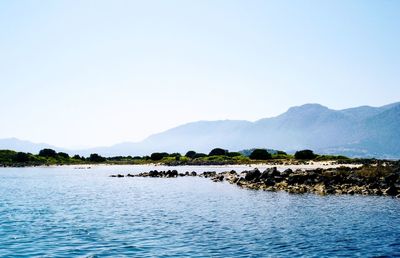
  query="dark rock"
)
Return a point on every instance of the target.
[
  {"x": 218, "y": 178},
  {"x": 391, "y": 179},
  {"x": 286, "y": 172},
  {"x": 269, "y": 173},
  {"x": 391, "y": 191},
  {"x": 240, "y": 181},
  {"x": 209, "y": 174},
  {"x": 253, "y": 175},
  {"x": 269, "y": 182},
  {"x": 154, "y": 173},
  {"x": 193, "y": 174},
  {"x": 172, "y": 173}
]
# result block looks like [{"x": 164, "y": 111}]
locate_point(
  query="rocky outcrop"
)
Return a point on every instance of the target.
[
  {"x": 367, "y": 180},
  {"x": 376, "y": 179},
  {"x": 156, "y": 173}
]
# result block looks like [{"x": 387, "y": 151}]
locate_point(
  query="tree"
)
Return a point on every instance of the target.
[
  {"x": 233, "y": 154},
  {"x": 48, "y": 153},
  {"x": 63, "y": 155},
  {"x": 304, "y": 154},
  {"x": 218, "y": 152},
  {"x": 158, "y": 156},
  {"x": 199, "y": 155},
  {"x": 260, "y": 154},
  {"x": 94, "y": 157},
  {"x": 190, "y": 154},
  {"x": 21, "y": 157}
]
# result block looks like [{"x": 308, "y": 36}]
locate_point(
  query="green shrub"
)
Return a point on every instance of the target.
[
  {"x": 304, "y": 154},
  {"x": 49, "y": 153},
  {"x": 218, "y": 152},
  {"x": 260, "y": 154}
]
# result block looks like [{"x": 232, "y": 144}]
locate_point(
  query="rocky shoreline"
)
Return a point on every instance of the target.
[{"x": 379, "y": 179}]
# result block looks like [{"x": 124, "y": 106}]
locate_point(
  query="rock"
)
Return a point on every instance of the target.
[
  {"x": 320, "y": 189},
  {"x": 286, "y": 172},
  {"x": 391, "y": 179},
  {"x": 241, "y": 181},
  {"x": 297, "y": 178},
  {"x": 377, "y": 191},
  {"x": 391, "y": 191},
  {"x": 253, "y": 175},
  {"x": 218, "y": 178},
  {"x": 269, "y": 173},
  {"x": 193, "y": 174},
  {"x": 154, "y": 173},
  {"x": 269, "y": 182},
  {"x": 172, "y": 173},
  {"x": 209, "y": 174}
]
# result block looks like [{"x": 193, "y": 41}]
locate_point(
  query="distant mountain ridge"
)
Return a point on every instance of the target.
[{"x": 362, "y": 131}]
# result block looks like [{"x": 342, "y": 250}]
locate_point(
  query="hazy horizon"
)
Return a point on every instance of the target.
[
  {"x": 96, "y": 73},
  {"x": 78, "y": 148}
]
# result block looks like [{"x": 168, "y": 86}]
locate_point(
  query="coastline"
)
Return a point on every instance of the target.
[{"x": 379, "y": 179}]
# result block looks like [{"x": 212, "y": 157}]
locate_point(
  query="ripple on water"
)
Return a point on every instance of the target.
[{"x": 64, "y": 212}]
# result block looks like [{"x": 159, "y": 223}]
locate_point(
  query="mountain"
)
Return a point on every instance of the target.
[
  {"x": 25, "y": 146},
  {"x": 362, "y": 131}
]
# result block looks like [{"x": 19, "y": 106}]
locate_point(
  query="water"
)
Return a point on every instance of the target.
[{"x": 63, "y": 211}]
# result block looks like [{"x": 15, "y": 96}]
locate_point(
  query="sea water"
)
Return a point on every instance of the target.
[{"x": 69, "y": 212}]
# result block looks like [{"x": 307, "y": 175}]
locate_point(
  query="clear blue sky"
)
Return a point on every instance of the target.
[{"x": 89, "y": 73}]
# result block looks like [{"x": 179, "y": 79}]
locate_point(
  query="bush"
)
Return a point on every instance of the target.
[
  {"x": 199, "y": 155},
  {"x": 158, "y": 156},
  {"x": 21, "y": 157},
  {"x": 94, "y": 157},
  {"x": 48, "y": 153},
  {"x": 63, "y": 155},
  {"x": 218, "y": 152},
  {"x": 190, "y": 154},
  {"x": 233, "y": 154},
  {"x": 304, "y": 154},
  {"x": 260, "y": 154}
]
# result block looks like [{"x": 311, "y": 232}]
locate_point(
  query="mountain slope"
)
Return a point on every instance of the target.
[
  {"x": 363, "y": 131},
  {"x": 25, "y": 146}
]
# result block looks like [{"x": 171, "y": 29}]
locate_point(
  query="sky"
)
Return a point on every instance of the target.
[{"x": 95, "y": 73}]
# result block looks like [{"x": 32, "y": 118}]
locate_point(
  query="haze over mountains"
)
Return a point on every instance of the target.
[{"x": 362, "y": 131}]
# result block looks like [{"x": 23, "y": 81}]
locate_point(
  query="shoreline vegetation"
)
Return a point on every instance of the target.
[{"x": 217, "y": 156}]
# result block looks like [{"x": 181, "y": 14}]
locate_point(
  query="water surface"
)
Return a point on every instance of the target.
[{"x": 62, "y": 211}]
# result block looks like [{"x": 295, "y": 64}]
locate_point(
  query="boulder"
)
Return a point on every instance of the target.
[
  {"x": 154, "y": 173},
  {"x": 270, "y": 173},
  {"x": 286, "y": 172},
  {"x": 253, "y": 175},
  {"x": 391, "y": 191}
]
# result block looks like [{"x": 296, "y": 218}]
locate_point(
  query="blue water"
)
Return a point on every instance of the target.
[{"x": 62, "y": 211}]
